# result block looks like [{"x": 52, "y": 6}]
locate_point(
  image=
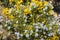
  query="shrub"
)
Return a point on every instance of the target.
[{"x": 30, "y": 21}]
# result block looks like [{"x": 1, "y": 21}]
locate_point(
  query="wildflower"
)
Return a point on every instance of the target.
[
  {"x": 25, "y": 20},
  {"x": 9, "y": 27},
  {"x": 36, "y": 34},
  {"x": 27, "y": 35},
  {"x": 31, "y": 32},
  {"x": 36, "y": 27},
  {"x": 33, "y": 0},
  {"x": 38, "y": 21},
  {"x": 19, "y": 2},
  {"x": 37, "y": 3},
  {"x": 45, "y": 2},
  {"x": 41, "y": 4},
  {"x": 54, "y": 37},
  {"x": 11, "y": 16},
  {"x": 5, "y": 11},
  {"x": 27, "y": 11},
  {"x": 24, "y": 24},
  {"x": 37, "y": 30},
  {"x": 49, "y": 34},
  {"x": 26, "y": 31},
  {"x": 21, "y": 35}
]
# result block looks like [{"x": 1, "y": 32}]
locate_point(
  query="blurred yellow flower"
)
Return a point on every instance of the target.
[
  {"x": 33, "y": 0},
  {"x": 40, "y": 4},
  {"x": 5, "y": 11},
  {"x": 19, "y": 2},
  {"x": 54, "y": 37},
  {"x": 37, "y": 3},
  {"x": 27, "y": 11},
  {"x": 11, "y": 16},
  {"x": 45, "y": 2}
]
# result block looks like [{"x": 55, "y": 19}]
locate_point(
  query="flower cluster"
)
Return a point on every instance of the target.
[{"x": 30, "y": 20}]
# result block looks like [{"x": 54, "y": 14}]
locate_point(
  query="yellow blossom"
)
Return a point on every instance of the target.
[
  {"x": 11, "y": 16},
  {"x": 54, "y": 37},
  {"x": 37, "y": 3},
  {"x": 33, "y": 0},
  {"x": 19, "y": 2},
  {"x": 40, "y": 4},
  {"x": 45, "y": 2},
  {"x": 27, "y": 11},
  {"x": 5, "y": 11}
]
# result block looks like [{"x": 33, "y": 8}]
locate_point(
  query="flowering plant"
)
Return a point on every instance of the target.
[{"x": 30, "y": 20}]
